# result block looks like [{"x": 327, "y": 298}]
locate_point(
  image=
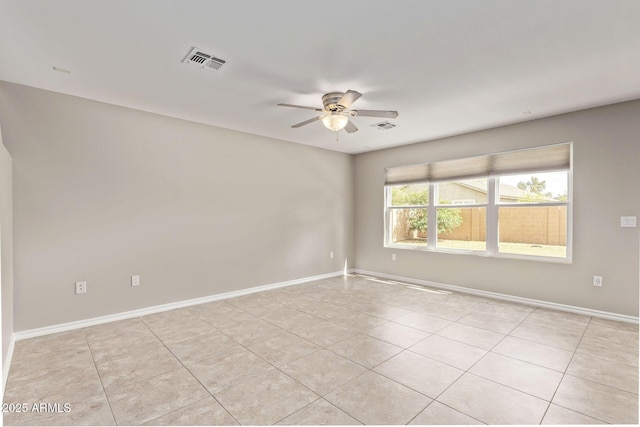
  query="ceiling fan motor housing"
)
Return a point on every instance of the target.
[{"x": 330, "y": 102}]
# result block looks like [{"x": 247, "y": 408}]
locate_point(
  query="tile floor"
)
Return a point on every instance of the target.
[{"x": 346, "y": 350}]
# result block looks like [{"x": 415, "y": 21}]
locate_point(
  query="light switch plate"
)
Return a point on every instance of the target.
[{"x": 628, "y": 221}]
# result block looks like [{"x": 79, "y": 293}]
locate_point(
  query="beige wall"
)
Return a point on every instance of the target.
[
  {"x": 606, "y": 163},
  {"x": 6, "y": 248},
  {"x": 103, "y": 192}
]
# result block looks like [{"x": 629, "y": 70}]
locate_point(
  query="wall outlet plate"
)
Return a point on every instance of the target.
[
  {"x": 597, "y": 281},
  {"x": 135, "y": 280},
  {"x": 81, "y": 287}
]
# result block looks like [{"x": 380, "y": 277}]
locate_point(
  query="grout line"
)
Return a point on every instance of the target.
[
  {"x": 95, "y": 365},
  {"x": 564, "y": 374},
  {"x": 190, "y": 373}
]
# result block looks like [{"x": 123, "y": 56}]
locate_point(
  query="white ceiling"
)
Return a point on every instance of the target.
[{"x": 448, "y": 66}]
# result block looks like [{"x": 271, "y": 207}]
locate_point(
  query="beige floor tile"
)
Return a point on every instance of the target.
[
  {"x": 128, "y": 344},
  {"x": 598, "y": 401},
  {"x": 252, "y": 331},
  {"x": 324, "y": 310},
  {"x": 73, "y": 383},
  {"x": 270, "y": 308},
  {"x": 168, "y": 318},
  {"x": 423, "y": 322},
  {"x": 377, "y": 309},
  {"x": 547, "y": 335},
  {"x": 322, "y": 333},
  {"x": 559, "y": 319},
  {"x": 629, "y": 327},
  {"x": 183, "y": 330},
  {"x": 620, "y": 353},
  {"x": 420, "y": 373},
  {"x": 219, "y": 307},
  {"x": 323, "y": 371},
  {"x": 301, "y": 320},
  {"x": 225, "y": 319},
  {"x": 265, "y": 399},
  {"x": 203, "y": 347},
  {"x": 319, "y": 413},
  {"x": 205, "y": 412},
  {"x": 438, "y": 414},
  {"x": 115, "y": 329},
  {"x": 557, "y": 415},
  {"x": 34, "y": 368},
  {"x": 143, "y": 401},
  {"x": 621, "y": 334},
  {"x": 613, "y": 374},
  {"x": 451, "y": 352},
  {"x": 526, "y": 377},
  {"x": 226, "y": 370},
  {"x": 357, "y": 321},
  {"x": 283, "y": 315},
  {"x": 471, "y": 335},
  {"x": 118, "y": 372},
  {"x": 396, "y": 334},
  {"x": 90, "y": 412},
  {"x": 486, "y": 321},
  {"x": 509, "y": 310},
  {"x": 443, "y": 311},
  {"x": 374, "y": 399},
  {"x": 365, "y": 350},
  {"x": 493, "y": 403},
  {"x": 48, "y": 344},
  {"x": 283, "y": 349},
  {"x": 532, "y": 352}
]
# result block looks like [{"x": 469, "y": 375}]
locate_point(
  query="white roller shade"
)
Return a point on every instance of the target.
[{"x": 539, "y": 159}]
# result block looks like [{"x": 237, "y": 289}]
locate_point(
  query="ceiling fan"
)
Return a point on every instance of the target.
[{"x": 336, "y": 113}]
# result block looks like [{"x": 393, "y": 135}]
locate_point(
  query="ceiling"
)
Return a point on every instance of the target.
[{"x": 449, "y": 67}]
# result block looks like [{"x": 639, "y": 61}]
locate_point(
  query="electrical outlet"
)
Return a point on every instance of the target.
[
  {"x": 135, "y": 280},
  {"x": 81, "y": 287},
  {"x": 393, "y": 257},
  {"x": 331, "y": 254},
  {"x": 597, "y": 281}
]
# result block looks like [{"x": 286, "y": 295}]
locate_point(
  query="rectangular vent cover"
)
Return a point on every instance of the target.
[
  {"x": 384, "y": 125},
  {"x": 201, "y": 59}
]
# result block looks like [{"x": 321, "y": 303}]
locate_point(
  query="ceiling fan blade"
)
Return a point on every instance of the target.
[
  {"x": 376, "y": 113},
  {"x": 350, "y": 127},
  {"x": 349, "y": 98},
  {"x": 306, "y": 122},
  {"x": 300, "y": 106}
]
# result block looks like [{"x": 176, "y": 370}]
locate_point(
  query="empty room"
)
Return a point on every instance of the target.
[{"x": 300, "y": 213}]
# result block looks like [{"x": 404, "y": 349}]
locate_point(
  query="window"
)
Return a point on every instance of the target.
[
  {"x": 514, "y": 204},
  {"x": 408, "y": 214},
  {"x": 462, "y": 227},
  {"x": 532, "y": 214}
]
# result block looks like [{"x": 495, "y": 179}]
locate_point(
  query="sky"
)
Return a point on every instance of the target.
[{"x": 556, "y": 181}]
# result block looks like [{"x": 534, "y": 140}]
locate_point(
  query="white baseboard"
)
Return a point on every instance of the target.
[
  {"x": 6, "y": 364},
  {"x": 63, "y": 327},
  {"x": 504, "y": 297}
]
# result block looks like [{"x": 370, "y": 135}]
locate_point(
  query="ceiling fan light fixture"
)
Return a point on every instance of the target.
[{"x": 335, "y": 121}]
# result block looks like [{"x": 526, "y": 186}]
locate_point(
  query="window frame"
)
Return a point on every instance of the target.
[{"x": 492, "y": 206}]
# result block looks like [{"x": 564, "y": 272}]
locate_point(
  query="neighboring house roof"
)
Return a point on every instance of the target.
[{"x": 506, "y": 191}]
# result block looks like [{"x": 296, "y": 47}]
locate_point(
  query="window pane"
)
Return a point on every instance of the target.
[
  {"x": 533, "y": 230},
  {"x": 410, "y": 195},
  {"x": 408, "y": 227},
  {"x": 534, "y": 187},
  {"x": 465, "y": 192},
  {"x": 462, "y": 228}
]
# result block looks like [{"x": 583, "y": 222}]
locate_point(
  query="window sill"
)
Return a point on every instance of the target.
[{"x": 483, "y": 254}]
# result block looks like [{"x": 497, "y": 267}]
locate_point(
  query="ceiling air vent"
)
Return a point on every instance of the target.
[
  {"x": 384, "y": 125},
  {"x": 201, "y": 59}
]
